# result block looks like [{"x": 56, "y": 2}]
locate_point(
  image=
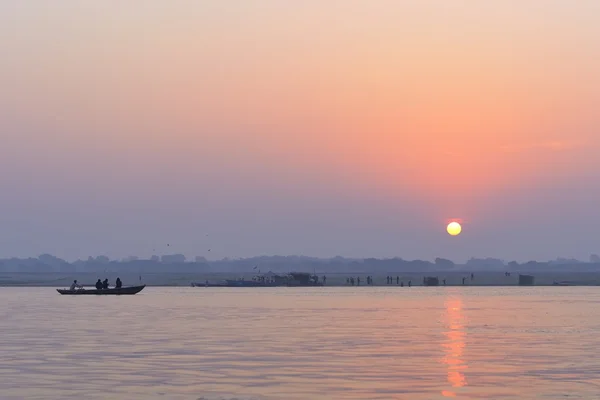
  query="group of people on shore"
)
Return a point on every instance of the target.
[
  {"x": 356, "y": 282},
  {"x": 100, "y": 285},
  {"x": 390, "y": 280},
  {"x": 352, "y": 282}
]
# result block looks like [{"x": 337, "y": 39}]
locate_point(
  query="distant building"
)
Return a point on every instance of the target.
[
  {"x": 526, "y": 280},
  {"x": 431, "y": 281}
]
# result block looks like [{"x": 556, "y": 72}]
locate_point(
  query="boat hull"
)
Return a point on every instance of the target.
[
  {"x": 243, "y": 284},
  {"x": 248, "y": 284},
  {"x": 194, "y": 284},
  {"x": 104, "y": 292}
]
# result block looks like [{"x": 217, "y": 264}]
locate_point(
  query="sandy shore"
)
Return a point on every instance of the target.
[{"x": 181, "y": 279}]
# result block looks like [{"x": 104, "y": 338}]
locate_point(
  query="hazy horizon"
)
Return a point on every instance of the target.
[
  {"x": 322, "y": 128},
  {"x": 193, "y": 258}
]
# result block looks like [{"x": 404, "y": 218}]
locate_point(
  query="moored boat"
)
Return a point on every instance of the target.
[
  {"x": 269, "y": 279},
  {"x": 236, "y": 283},
  {"x": 295, "y": 279},
  {"x": 200, "y": 284},
  {"x": 303, "y": 279},
  {"x": 112, "y": 291},
  {"x": 563, "y": 283}
]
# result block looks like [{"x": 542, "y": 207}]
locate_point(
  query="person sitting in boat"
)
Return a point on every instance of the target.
[
  {"x": 75, "y": 285},
  {"x": 99, "y": 284},
  {"x": 118, "y": 283},
  {"x": 105, "y": 284}
]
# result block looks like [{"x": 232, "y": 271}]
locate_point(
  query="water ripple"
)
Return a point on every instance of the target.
[{"x": 293, "y": 343}]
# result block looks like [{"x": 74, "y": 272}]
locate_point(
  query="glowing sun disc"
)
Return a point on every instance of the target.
[{"x": 454, "y": 228}]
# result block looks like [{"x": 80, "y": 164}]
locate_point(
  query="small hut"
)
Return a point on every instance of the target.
[
  {"x": 526, "y": 280},
  {"x": 431, "y": 281}
]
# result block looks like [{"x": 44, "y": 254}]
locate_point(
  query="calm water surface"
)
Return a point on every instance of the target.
[{"x": 294, "y": 343}]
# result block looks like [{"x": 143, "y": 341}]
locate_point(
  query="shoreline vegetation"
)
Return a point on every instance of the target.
[{"x": 176, "y": 270}]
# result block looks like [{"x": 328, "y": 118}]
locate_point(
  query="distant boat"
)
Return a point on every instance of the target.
[
  {"x": 303, "y": 279},
  {"x": 562, "y": 283},
  {"x": 112, "y": 291},
  {"x": 267, "y": 280},
  {"x": 237, "y": 283}
]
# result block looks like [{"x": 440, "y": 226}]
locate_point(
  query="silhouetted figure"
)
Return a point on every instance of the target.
[
  {"x": 402, "y": 284},
  {"x": 397, "y": 280},
  {"x": 324, "y": 279},
  {"x": 105, "y": 284},
  {"x": 118, "y": 283},
  {"x": 409, "y": 283},
  {"x": 444, "y": 281},
  {"x": 463, "y": 281},
  {"x": 99, "y": 284},
  {"x": 352, "y": 281},
  {"x": 472, "y": 276},
  {"x": 358, "y": 281},
  {"x": 75, "y": 285}
]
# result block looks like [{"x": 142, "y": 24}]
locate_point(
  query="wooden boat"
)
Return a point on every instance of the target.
[
  {"x": 563, "y": 283},
  {"x": 234, "y": 283},
  {"x": 294, "y": 279},
  {"x": 303, "y": 279},
  {"x": 110, "y": 291},
  {"x": 198, "y": 284}
]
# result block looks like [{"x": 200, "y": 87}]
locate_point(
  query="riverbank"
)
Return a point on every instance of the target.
[{"x": 480, "y": 278}]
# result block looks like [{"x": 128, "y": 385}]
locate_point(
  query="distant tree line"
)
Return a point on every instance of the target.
[{"x": 283, "y": 264}]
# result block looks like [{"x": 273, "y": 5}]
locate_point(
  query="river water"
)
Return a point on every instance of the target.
[{"x": 302, "y": 343}]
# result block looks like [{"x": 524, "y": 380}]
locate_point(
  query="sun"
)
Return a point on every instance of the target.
[{"x": 454, "y": 228}]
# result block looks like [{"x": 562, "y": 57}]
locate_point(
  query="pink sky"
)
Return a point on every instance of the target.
[{"x": 329, "y": 128}]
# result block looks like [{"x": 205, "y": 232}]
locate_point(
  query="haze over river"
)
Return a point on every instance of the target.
[{"x": 302, "y": 343}]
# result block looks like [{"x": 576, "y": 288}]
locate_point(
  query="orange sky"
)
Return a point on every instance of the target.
[{"x": 449, "y": 104}]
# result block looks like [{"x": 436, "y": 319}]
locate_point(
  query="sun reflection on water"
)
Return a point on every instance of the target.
[{"x": 454, "y": 346}]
